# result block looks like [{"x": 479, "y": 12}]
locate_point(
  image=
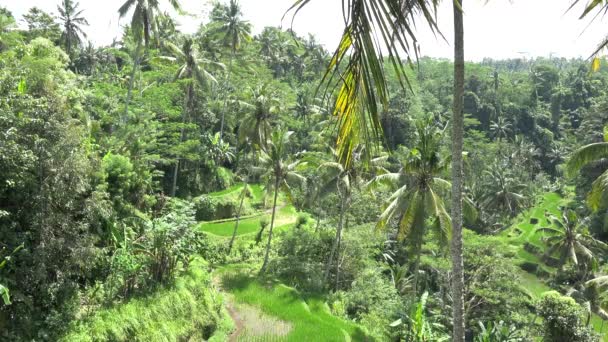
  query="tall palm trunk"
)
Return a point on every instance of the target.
[
  {"x": 131, "y": 81},
  {"x": 238, "y": 216},
  {"x": 68, "y": 41},
  {"x": 458, "y": 332},
  {"x": 338, "y": 262},
  {"x": 146, "y": 29},
  {"x": 274, "y": 209},
  {"x": 187, "y": 104},
  {"x": 334, "y": 246},
  {"x": 226, "y": 96}
]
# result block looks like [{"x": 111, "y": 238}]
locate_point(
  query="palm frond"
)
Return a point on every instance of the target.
[
  {"x": 387, "y": 179},
  {"x": 372, "y": 26},
  {"x": 124, "y": 9},
  {"x": 413, "y": 218},
  {"x": 598, "y": 191},
  {"x": 437, "y": 207},
  {"x": 397, "y": 203},
  {"x": 586, "y": 155}
]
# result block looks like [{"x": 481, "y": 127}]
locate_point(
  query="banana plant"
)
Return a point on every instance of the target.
[{"x": 4, "y": 292}]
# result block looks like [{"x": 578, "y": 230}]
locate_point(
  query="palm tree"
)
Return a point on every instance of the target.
[
  {"x": 136, "y": 55},
  {"x": 305, "y": 105},
  {"x": 234, "y": 30},
  {"x": 419, "y": 192},
  {"x": 571, "y": 240},
  {"x": 256, "y": 126},
  {"x": 144, "y": 16},
  {"x": 458, "y": 331},
  {"x": 502, "y": 191},
  {"x": 590, "y": 298},
  {"x": 585, "y": 155},
  {"x": 280, "y": 174},
  {"x": 87, "y": 59},
  {"x": 166, "y": 29},
  {"x": 371, "y": 28},
  {"x": 72, "y": 20},
  {"x": 501, "y": 128},
  {"x": 246, "y": 191},
  {"x": 192, "y": 67},
  {"x": 335, "y": 177}
]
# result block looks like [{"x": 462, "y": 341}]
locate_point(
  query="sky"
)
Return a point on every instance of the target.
[{"x": 498, "y": 29}]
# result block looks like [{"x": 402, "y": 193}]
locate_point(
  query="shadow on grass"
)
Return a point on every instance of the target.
[{"x": 309, "y": 314}]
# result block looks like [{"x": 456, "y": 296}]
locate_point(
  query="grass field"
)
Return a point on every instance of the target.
[
  {"x": 188, "y": 310},
  {"x": 524, "y": 231},
  {"x": 309, "y": 319},
  {"x": 251, "y": 225}
]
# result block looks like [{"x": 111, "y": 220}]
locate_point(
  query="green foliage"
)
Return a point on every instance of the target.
[
  {"x": 187, "y": 309},
  {"x": 309, "y": 316},
  {"x": 156, "y": 254},
  {"x": 416, "y": 326},
  {"x": 91, "y": 140},
  {"x": 562, "y": 319},
  {"x": 498, "y": 332},
  {"x": 212, "y": 208}
]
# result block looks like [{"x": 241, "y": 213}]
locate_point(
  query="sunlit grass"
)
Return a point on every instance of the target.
[
  {"x": 310, "y": 318},
  {"x": 188, "y": 310},
  {"x": 285, "y": 215}
]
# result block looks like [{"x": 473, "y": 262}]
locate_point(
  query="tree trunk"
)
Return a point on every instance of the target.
[
  {"x": 131, "y": 82},
  {"x": 68, "y": 42},
  {"x": 238, "y": 216},
  {"x": 226, "y": 97},
  {"x": 338, "y": 262},
  {"x": 458, "y": 332},
  {"x": 332, "y": 253},
  {"x": 274, "y": 209},
  {"x": 187, "y": 104},
  {"x": 417, "y": 264},
  {"x": 146, "y": 29}
]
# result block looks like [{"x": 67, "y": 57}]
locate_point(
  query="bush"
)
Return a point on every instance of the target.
[
  {"x": 211, "y": 208},
  {"x": 186, "y": 311},
  {"x": 372, "y": 300},
  {"x": 156, "y": 254},
  {"x": 302, "y": 220},
  {"x": 562, "y": 319}
]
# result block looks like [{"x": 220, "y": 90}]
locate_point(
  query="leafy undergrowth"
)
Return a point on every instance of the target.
[
  {"x": 523, "y": 232},
  {"x": 310, "y": 318},
  {"x": 188, "y": 310}
]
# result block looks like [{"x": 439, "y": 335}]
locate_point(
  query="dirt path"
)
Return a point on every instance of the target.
[
  {"x": 239, "y": 324},
  {"x": 249, "y": 320}
]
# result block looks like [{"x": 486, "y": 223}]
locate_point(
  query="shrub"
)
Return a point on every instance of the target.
[
  {"x": 186, "y": 311},
  {"x": 562, "y": 319},
  {"x": 211, "y": 208},
  {"x": 156, "y": 254},
  {"x": 530, "y": 267},
  {"x": 302, "y": 220}
]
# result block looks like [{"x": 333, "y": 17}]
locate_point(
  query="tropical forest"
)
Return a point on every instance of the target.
[{"x": 239, "y": 182}]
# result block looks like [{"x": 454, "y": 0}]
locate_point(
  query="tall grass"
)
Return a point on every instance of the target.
[
  {"x": 285, "y": 215},
  {"x": 188, "y": 310},
  {"x": 311, "y": 319}
]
